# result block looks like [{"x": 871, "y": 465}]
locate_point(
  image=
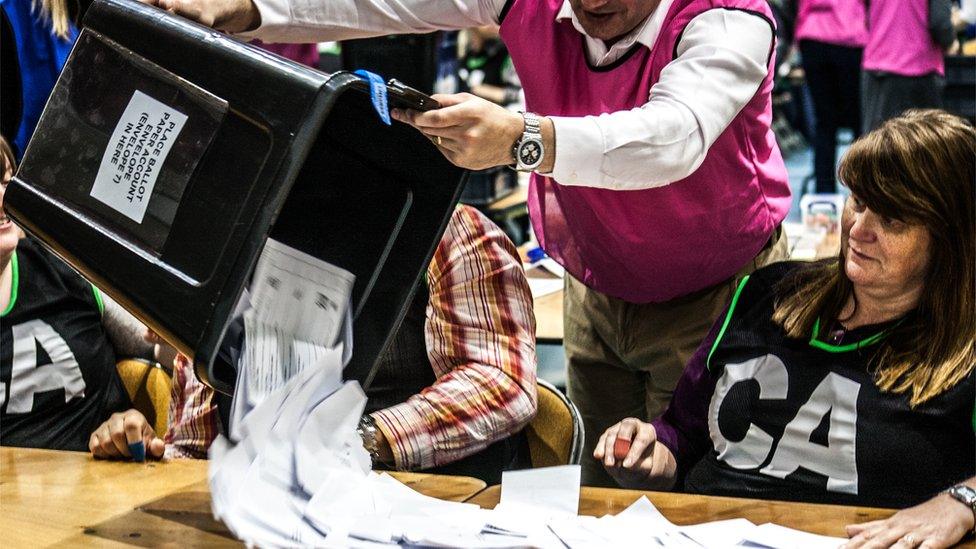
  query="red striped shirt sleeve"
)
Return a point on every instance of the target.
[
  {"x": 480, "y": 334},
  {"x": 193, "y": 421}
]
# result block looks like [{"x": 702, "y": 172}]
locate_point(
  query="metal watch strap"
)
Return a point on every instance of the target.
[
  {"x": 532, "y": 132},
  {"x": 966, "y": 495},
  {"x": 533, "y": 124},
  {"x": 367, "y": 432}
]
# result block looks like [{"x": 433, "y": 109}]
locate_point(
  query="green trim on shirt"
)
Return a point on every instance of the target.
[
  {"x": 14, "y": 283},
  {"x": 725, "y": 324},
  {"x": 474, "y": 63},
  {"x": 814, "y": 342},
  {"x": 98, "y": 299}
]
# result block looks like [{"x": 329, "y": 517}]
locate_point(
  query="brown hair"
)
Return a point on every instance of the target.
[
  {"x": 919, "y": 168},
  {"x": 7, "y": 157},
  {"x": 57, "y": 12}
]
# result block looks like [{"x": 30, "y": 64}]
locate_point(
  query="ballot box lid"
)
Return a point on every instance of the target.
[{"x": 168, "y": 153}]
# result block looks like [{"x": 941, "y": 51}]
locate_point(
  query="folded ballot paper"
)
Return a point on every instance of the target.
[{"x": 293, "y": 470}]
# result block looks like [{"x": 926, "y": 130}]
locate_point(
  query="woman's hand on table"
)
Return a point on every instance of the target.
[
  {"x": 631, "y": 455},
  {"x": 939, "y": 522},
  {"x": 122, "y": 435}
]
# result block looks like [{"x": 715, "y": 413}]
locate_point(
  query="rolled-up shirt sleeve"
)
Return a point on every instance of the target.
[
  {"x": 480, "y": 335},
  {"x": 193, "y": 416},
  {"x": 721, "y": 61},
  {"x": 323, "y": 20}
]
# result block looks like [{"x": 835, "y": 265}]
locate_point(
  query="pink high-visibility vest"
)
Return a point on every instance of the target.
[
  {"x": 656, "y": 244},
  {"x": 899, "y": 41},
  {"x": 838, "y": 22}
]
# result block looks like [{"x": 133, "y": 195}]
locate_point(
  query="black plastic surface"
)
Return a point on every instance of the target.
[{"x": 276, "y": 149}]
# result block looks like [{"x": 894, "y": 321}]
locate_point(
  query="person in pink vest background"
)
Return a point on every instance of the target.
[
  {"x": 306, "y": 54},
  {"x": 831, "y": 35},
  {"x": 657, "y": 181},
  {"x": 903, "y": 59}
]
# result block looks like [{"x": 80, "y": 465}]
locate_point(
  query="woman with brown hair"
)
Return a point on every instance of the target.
[{"x": 848, "y": 380}]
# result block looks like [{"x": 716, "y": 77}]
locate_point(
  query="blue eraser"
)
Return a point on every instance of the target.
[
  {"x": 536, "y": 254},
  {"x": 138, "y": 451}
]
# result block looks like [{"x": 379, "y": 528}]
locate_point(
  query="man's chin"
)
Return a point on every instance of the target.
[{"x": 606, "y": 31}]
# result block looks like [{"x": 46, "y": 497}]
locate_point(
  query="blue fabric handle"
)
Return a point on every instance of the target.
[{"x": 377, "y": 93}]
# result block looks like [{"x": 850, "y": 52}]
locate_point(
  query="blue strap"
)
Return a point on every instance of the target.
[{"x": 377, "y": 92}]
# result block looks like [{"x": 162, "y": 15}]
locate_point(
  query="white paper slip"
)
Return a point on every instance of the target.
[
  {"x": 644, "y": 512},
  {"x": 550, "y": 265},
  {"x": 328, "y": 436},
  {"x": 780, "y": 537},
  {"x": 544, "y": 286},
  {"x": 136, "y": 153},
  {"x": 300, "y": 294},
  {"x": 720, "y": 534},
  {"x": 551, "y": 491},
  {"x": 583, "y": 533}
]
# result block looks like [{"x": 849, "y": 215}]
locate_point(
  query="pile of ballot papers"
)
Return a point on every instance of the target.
[{"x": 293, "y": 470}]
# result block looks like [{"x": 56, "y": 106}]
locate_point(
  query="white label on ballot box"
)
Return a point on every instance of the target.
[
  {"x": 300, "y": 294},
  {"x": 135, "y": 154}
]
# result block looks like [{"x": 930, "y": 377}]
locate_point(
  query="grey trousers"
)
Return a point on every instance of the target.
[{"x": 885, "y": 95}]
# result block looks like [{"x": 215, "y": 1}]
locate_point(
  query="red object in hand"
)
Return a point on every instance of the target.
[{"x": 620, "y": 448}]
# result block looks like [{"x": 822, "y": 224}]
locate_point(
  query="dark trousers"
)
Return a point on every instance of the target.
[
  {"x": 833, "y": 74},
  {"x": 888, "y": 95}
]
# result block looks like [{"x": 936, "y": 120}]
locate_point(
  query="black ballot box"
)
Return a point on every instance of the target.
[{"x": 168, "y": 153}]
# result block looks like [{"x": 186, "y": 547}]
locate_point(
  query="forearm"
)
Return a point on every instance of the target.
[
  {"x": 287, "y": 21},
  {"x": 969, "y": 519},
  {"x": 193, "y": 421},
  {"x": 461, "y": 414},
  {"x": 648, "y": 147},
  {"x": 125, "y": 332}
]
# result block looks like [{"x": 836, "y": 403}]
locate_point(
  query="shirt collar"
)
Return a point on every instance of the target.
[{"x": 646, "y": 34}]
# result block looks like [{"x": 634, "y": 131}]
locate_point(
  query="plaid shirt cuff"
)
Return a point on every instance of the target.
[{"x": 409, "y": 436}]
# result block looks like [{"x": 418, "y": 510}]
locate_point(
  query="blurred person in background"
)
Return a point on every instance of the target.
[
  {"x": 486, "y": 69},
  {"x": 831, "y": 35},
  {"x": 903, "y": 59},
  {"x": 43, "y": 33}
]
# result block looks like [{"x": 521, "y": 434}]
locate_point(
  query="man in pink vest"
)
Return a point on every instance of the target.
[
  {"x": 657, "y": 182},
  {"x": 903, "y": 59}
]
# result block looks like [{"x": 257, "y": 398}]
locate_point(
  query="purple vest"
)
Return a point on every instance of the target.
[
  {"x": 839, "y": 22},
  {"x": 899, "y": 40},
  {"x": 656, "y": 244}
]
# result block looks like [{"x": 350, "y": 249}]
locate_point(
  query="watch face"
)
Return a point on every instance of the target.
[
  {"x": 964, "y": 494},
  {"x": 530, "y": 152}
]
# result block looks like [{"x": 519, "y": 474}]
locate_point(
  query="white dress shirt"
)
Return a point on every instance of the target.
[{"x": 720, "y": 64}]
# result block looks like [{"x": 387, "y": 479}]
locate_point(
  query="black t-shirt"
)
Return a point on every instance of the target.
[
  {"x": 58, "y": 380},
  {"x": 803, "y": 419}
]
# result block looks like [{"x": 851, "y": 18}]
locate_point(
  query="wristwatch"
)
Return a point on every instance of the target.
[
  {"x": 367, "y": 432},
  {"x": 528, "y": 150},
  {"x": 965, "y": 495}
]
